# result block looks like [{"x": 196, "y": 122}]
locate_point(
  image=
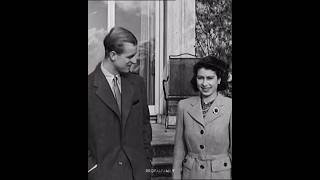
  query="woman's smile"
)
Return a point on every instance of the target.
[{"x": 205, "y": 89}]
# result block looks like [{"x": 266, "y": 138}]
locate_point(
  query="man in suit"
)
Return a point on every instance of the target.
[{"x": 119, "y": 130}]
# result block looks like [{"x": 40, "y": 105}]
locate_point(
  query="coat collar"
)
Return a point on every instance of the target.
[
  {"x": 105, "y": 93},
  {"x": 127, "y": 98},
  {"x": 195, "y": 111},
  {"x": 214, "y": 112}
]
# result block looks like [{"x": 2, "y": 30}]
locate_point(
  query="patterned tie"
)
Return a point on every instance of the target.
[{"x": 116, "y": 91}]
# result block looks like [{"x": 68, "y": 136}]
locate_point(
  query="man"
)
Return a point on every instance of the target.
[{"x": 119, "y": 130}]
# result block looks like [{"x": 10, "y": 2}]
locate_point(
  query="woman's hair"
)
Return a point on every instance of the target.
[
  {"x": 115, "y": 38},
  {"x": 214, "y": 64}
]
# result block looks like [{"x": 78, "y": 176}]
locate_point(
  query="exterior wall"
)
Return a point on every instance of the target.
[
  {"x": 180, "y": 27},
  {"x": 180, "y": 19}
]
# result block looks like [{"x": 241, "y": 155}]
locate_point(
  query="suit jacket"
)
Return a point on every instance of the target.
[
  {"x": 203, "y": 145},
  {"x": 111, "y": 134}
]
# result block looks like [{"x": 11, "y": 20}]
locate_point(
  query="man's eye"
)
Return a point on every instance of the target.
[{"x": 130, "y": 57}]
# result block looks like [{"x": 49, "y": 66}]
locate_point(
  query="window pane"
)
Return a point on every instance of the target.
[
  {"x": 97, "y": 25},
  {"x": 139, "y": 18}
]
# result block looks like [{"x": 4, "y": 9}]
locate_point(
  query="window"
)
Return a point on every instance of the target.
[
  {"x": 139, "y": 18},
  {"x": 143, "y": 18},
  {"x": 97, "y": 23}
]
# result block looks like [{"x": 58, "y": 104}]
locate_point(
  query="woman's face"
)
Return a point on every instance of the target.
[{"x": 207, "y": 82}]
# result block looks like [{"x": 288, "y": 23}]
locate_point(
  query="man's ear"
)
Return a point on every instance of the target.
[{"x": 113, "y": 55}]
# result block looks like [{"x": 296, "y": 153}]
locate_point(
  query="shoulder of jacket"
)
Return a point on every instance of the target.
[
  {"x": 90, "y": 79},
  {"x": 227, "y": 102},
  {"x": 189, "y": 100}
]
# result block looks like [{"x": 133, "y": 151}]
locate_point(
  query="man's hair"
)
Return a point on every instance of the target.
[{"x": 115, "y": 38}]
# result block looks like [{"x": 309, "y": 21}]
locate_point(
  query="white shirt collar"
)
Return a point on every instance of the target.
[{"x": 110, "y": 76}]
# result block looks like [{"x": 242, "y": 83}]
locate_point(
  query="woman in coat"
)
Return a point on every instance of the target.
[{"x": 203, "y": 131}]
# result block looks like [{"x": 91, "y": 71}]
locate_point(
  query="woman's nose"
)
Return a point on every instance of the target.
[{"x": 204, "y": 82}]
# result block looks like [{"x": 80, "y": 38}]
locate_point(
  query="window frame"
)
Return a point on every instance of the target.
[{"x": 157, "y": 108}]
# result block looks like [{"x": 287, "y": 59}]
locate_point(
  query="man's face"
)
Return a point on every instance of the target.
[{"x": 124, "y": 60}]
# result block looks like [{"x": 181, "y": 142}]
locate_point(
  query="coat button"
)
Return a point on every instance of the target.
[
  {"x": 120, "y": 163},
  {"x": 201, "y": 146},
  {"x": 201, "y": 132},
  {"x": 201, "y": 166},
  {"x": 225, "y": 164}
]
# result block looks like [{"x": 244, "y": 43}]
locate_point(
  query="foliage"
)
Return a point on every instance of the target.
[{"x": 214, "y": 30}]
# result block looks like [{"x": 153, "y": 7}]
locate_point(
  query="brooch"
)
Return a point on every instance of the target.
[{"x": 215, "y": 110}]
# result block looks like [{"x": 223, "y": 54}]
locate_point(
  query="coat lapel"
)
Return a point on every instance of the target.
[
  {"x": 104, "y": 91},
  {"x": 127, "y": 92},
  {"x": 195, "y": 111},
  {"x": 215, "y": 110}
]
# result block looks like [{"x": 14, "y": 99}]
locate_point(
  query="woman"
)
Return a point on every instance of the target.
[{"x": 203, "y": 131}]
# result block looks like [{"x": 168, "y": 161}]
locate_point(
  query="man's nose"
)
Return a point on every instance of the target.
[{"x": 133, "y": 60}]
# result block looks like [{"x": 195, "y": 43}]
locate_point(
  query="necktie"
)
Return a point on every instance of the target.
[{"x": 116, "y": 91}]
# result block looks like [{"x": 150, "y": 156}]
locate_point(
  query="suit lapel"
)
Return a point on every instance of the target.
[
  {"x": 215, "y": 110},
  {"x": 104, "y": 91},
  {"x": 196, "y": 112},
  {"x": 127, "y": 92}
]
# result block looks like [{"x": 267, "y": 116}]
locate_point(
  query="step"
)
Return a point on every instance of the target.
[
  {"x": 162, "y": 144},
  {"x": 162, "y": 167},
  {"x": 163, "y": 150},
  {"x": 161, "y": 135},
  {"x": 162, "y": 161},
  {"x": 161, "y": 178}
]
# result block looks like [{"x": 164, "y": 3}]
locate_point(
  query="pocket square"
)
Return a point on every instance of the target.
[{"x": 135, "y": 102}]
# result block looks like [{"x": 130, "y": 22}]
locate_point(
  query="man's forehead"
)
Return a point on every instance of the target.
[{"x": 129, "y": 49}]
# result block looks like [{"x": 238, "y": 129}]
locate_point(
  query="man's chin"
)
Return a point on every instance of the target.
[{"x": 125, "y": 71}]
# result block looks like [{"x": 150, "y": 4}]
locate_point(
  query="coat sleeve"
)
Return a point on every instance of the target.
[
  {"x": 179, "y": 145},
  {"x": 147, "y": 130},
  {"x": 91, "y": 161},
  {"x": 230, "y": 136}
]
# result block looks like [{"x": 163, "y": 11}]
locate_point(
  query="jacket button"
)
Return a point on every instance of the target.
[
  {"x": 225, "y": 164},
  {"x": 201, "y": 166},
  {"x": 201, "y": 132},
  {"x": 185, "y": 160},
  {"x": 120, "y": 163},
  {"x": 201, "y": 146}
]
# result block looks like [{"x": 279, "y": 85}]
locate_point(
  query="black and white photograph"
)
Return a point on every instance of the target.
[
  {"x": 159, "y": 80},
  {"x": 159, "y": 89}
]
